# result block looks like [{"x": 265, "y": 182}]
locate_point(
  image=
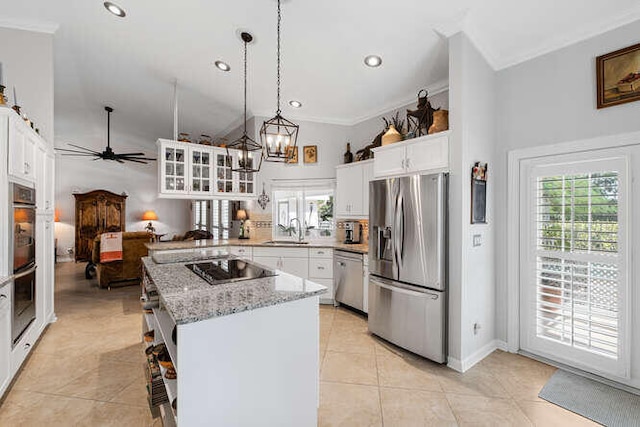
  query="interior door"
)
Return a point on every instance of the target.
[{"x": 574, "y": 269}]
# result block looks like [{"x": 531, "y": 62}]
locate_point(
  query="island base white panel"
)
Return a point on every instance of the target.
[{"x": 259, "y": 367}]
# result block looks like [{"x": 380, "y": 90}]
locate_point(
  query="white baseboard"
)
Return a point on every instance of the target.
[{"x": 467, "y": 363}]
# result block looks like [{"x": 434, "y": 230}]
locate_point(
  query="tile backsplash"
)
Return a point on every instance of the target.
[{"x": 260, "y": 225}]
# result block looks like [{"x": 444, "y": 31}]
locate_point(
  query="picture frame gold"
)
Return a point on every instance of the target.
[
  {"x": 618, "y": 77},
  {"x": 310, "y": 153},
  {"x": 292, "y": 159}
]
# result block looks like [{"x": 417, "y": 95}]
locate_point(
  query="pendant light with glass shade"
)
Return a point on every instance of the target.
[
  {"x": 279, "y": 135},
  {"x": 250, "y": 152}
]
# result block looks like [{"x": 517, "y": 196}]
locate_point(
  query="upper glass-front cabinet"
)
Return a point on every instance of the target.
[{"x": 195, "y": 170}]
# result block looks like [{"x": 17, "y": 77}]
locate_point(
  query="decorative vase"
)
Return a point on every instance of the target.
[
  {"x": 391, "y": 136},
  {"x": 3, "y": 100},
  {"x": 440, "y": 121},
  {"x": 348, "y": 156}
]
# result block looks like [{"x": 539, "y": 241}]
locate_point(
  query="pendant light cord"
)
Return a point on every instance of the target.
[
  {"x": 278, "y": 84},
  {"x": 245, "y": 87}
]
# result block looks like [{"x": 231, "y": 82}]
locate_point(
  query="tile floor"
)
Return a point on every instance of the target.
[{"x": 86, "y": 371}]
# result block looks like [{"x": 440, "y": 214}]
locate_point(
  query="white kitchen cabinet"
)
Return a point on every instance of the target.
[
  {"x": 245, "y": 252},
  {"x": 365, "y": 282},
  {"x": 352, "y": 192},
  {"x": 5, "y": 336},
  {"x": 290, "y": 260},
  {"x": 185, "y": 169},
  {"x": 22, "y": 150},
  {"x": 321, "y": 271},
  {"x": 427, "y": 153},
  {"x": 189, "y": 171},
  {"x": 45, "y": 274}
]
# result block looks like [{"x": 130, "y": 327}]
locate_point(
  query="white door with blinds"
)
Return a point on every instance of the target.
[{"x": 574, "y": 296}]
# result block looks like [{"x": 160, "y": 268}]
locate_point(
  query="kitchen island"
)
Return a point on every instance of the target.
[{"x": 246, "y": 352}]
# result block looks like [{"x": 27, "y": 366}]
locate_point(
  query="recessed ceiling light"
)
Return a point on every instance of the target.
[
  {"x": 115, "y": 9},
  {"x": 373, "y": 61},
  {"x": 295, "y": 104},
  {"x": 223, "y": 66}
]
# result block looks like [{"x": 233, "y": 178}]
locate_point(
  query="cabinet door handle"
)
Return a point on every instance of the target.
[
  {"x": 320, "y": 252},
  {"x": 408, "y": 163},
  {"x": 320, "y": 268}
]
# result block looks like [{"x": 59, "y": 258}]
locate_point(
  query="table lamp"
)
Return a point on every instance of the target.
[
  {"x": 242, "y": 216},
  {"x": 150, "y": 216}
]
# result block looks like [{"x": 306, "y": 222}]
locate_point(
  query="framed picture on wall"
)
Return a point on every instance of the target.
[
  {"x": 310, "y": 153},
  {"x": 479, "y": 193},
  {"x": 618, "y": 75},
  {"x": 292, "y": 154}
]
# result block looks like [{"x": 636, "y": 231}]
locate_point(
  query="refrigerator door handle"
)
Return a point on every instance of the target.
[
  {"x": 396, "y": 242},
  {"x": 405, "y": 291},
  {"x": 401, "y": 231}
]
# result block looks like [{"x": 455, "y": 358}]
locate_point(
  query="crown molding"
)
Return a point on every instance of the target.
[
  {"x": 29, "y": 25},
  {"x": 434, "y": 89},
  {"x": 452, "y": 26},
  {"x": 580, "y": 34}
]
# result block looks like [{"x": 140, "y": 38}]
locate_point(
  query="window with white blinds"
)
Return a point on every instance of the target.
[
  {"x": 200, "y": 215},
  {"x": 213, "y": 216},
  {"x": 578, "y": 261}
]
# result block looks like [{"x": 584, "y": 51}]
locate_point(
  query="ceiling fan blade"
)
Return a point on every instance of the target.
[
  {"x": 76, "y": 151},
  {"x": 130, "y": 154},
  {"x": 78, "y": 154},
  {"x": 84, "y": 148},
  {"x": 135, "y": 160},
  {"x": 119, "y": 160},
  {"x": 135, "y": 157}
]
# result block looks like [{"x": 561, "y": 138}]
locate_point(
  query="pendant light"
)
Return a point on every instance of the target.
[
  {"x": 279, "y": 135},
  {"x": 250, "y": 156}
]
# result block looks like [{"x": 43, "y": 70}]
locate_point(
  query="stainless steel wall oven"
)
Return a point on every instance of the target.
[{"x": 23, "y": 254}]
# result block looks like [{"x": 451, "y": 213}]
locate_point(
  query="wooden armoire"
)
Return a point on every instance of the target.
[{"x": 97, "y": 212}]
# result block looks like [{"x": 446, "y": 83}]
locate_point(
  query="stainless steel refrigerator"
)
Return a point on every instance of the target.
[{"x": 408, "y": 263}]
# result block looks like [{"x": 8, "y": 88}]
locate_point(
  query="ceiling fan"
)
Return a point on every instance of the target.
[{"x": 108, "y": 153}]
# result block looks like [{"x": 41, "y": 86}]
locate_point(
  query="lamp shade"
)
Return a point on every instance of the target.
[
  {"x": 149, "y": 216},
  {"x": 56, "y": 216},
  {"x": 241, "y": 215}
]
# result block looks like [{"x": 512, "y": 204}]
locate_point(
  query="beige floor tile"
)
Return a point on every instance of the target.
[
  {"x": 408, "y": 373},
  {"x": 486, "y": 411},
  {"x": 351, "y": 342},
  {"x": 549, "y": 415},
  {"x": 47, "y": 373},
  {"x": 401, "y": 407},
  {"x": 351, "y": 368},
  {"x": 348, "y": 405},
  {"x": 477, "y": 381},
  {"x": 523, "y": 385},
  {"x": 108, "y": 380},
  {"x": 24, "y": 408}
]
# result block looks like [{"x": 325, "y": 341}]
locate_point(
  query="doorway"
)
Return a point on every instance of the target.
[{"x": 574, "y": 264}]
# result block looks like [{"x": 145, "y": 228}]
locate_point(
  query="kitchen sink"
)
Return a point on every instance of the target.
[{"x": 285, "y": 242}]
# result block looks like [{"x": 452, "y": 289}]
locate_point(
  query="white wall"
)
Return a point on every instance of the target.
[
  {"x": 82, "y": 174},
  {"x": 552, "y": 99},
  {"x": 472, "y": 277},
  {"x": 27, "y": 59}
]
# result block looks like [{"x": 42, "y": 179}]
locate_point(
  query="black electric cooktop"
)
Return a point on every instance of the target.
[{"x": 226, "y": 270}]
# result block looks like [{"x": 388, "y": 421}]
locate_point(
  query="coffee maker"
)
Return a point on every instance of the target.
[{"x": 352, "y": 232}]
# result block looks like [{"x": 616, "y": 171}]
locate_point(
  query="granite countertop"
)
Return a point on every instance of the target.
[
  {"x": 361, "y": 248},
  {"x": 189, "y": 299}
]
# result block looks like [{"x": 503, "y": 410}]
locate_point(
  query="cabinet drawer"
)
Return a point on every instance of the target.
[
  {"x": 321, "y": 253},
  {"x": 281, "y": 252},
  {"x": 321, "y": 268}
]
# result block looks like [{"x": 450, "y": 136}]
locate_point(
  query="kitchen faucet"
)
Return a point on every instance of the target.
[{"x": 300, "y": 232}]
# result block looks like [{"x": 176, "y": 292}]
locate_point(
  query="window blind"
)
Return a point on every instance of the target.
[{"x": 577, "y": 261}]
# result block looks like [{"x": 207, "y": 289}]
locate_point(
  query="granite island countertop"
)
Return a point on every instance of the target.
[
  {"x": 189, "y": 299},
  {"x": 361, "y": 248}
]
